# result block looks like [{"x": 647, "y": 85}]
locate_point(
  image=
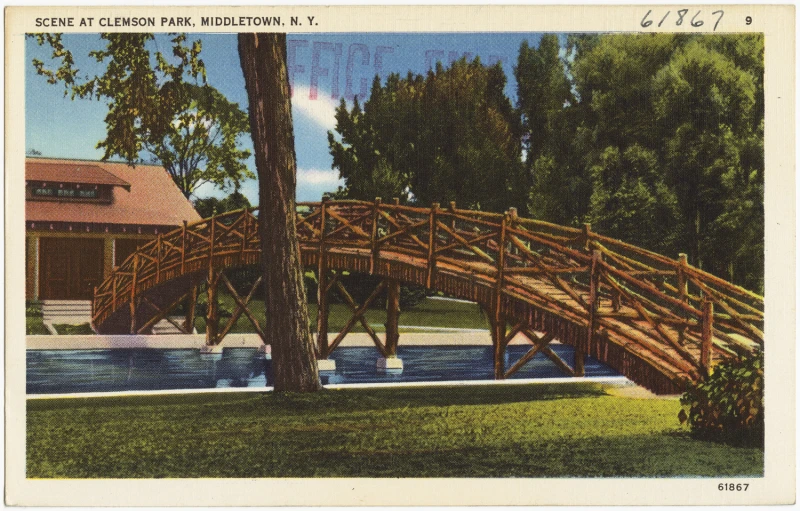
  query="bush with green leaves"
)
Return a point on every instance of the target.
[{"x": 729, "y": 405}]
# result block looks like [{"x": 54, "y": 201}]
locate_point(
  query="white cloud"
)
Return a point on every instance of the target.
[
  {"x": 319, "y": 178},
  {"x": 321, "y": 110}
]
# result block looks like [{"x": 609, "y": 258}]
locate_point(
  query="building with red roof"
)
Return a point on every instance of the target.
[{"x": 83, "y": 218}]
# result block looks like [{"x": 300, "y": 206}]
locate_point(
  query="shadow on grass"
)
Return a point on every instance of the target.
[
  {"x": 404, "y": 397},
  {"x": 344, "y": 399}
]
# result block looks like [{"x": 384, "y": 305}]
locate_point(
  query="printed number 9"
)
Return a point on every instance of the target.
[{"x": 748, "y": 20}]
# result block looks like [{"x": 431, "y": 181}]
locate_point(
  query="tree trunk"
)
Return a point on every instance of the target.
[{"x": 263, "y": 58}]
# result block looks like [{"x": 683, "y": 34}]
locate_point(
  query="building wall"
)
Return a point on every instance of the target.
[{"x": 35, "y": 277}]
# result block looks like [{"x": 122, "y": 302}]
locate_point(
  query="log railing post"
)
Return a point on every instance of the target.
[
  {"x": 707, "y": 337},
  {"x": 452, "y": 209},
  {"x": 183, "y": 248},
  {"x": 392, "y": 317},
  {"x": 245, "y": 214},
  {"x": 586, "y": 235},
  {"x": 374, "y": 236},
  {"x": 682, "y": 280},
  {"x": 594, "y": 305},
  {"x": 498, "y": 320},
  {"x": 133, "y": 292},
  {"x": 431, "y": 245},
  {"x": 158, "y": 259},
  {"x": 683, "y": 290},
  {"x": 322, "y": 287},
  {"x": 211, "y": 242}
]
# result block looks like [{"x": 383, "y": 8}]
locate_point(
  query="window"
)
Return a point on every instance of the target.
[
  {"x": 69, "y": 191},
  {"x": 43, "y": 192}
]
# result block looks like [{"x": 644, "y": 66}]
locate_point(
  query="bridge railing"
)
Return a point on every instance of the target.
[{"x": 606, "y": 279}]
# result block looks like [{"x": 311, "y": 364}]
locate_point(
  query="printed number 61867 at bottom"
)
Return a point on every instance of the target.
[{"x": 732, "y": 487}]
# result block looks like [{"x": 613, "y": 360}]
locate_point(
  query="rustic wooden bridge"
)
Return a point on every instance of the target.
[{"x": 658, "y": 321}]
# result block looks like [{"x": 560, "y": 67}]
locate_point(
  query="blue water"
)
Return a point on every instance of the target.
[{"x": 69, "y": 371}]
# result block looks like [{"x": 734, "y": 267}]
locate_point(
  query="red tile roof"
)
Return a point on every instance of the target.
[
  {"x": 83, "y": 173},
  {"x": 151, "y": 199}
]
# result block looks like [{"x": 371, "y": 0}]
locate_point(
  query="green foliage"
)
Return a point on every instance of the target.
[
  {"x": 658, "y": 141},
  {"x": 729, "y": 405},
  {"x": 631, "y": 201},
  {"x": 555, "y": 430},
  {"x": 210, "y": 206},
  {"x": 158, "y": 105},
  {"x": 451, "y": 135}
]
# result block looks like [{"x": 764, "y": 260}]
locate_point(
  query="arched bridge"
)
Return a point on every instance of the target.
[{"x": 658, "y": 321}]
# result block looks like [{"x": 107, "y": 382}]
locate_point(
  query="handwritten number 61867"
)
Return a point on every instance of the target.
[{"x": 679, "y": 17}]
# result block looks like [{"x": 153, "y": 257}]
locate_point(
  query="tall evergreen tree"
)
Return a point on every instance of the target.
[{"x": 451, "y": 135}]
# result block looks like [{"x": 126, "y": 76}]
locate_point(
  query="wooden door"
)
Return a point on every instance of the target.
[{"x": 70, "y": 268}]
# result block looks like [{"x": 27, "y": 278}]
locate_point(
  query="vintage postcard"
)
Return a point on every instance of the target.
[{"x": 374, "y": 255}]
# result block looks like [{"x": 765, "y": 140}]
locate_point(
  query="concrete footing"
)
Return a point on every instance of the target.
[
  {"x": 214, "y": 350},
  {"x": 389, "y": 364},
  {"x": 325, "y": 364}
]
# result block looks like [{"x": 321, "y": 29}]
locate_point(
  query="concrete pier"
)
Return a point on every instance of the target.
[{"x": 389, "y": 364}]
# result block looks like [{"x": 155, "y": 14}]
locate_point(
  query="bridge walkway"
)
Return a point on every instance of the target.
[{"x": 658, "y": 321}]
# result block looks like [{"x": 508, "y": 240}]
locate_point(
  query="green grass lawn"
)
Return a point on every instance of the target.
[
  {"x": 428, "y": 313},
  {"x": 556, "y": 430}
]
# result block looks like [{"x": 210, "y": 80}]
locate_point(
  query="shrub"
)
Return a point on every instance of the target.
[
  {"x": 729, "y": 405},
  {"x": 33, "y": 309}
]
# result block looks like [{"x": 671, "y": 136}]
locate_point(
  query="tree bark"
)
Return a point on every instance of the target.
[{"x": 263, "y": 59}]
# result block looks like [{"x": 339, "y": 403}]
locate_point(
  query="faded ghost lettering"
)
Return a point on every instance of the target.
[{"x": 351, "y": 58}]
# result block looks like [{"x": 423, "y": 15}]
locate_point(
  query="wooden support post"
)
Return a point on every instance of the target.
[
  {"x": 707, "y": 337},
  {"x": 322, "y": 287},
  {"x": 374, "y": 236},
  {"x": 114, "y": 277},
  {"x": 212, "y": 317},
  {"x": 392, "y": 316},
  {"x": 594, "y": 304},
  {"x": 431, "y": 245},
  {"x": 322, "y": 310},
  {"x": 133, "y": 292},
  {"x": 191, "y": 302},
  {"x": 580, "y": 363},
  {"x": 498, "y": 320}
]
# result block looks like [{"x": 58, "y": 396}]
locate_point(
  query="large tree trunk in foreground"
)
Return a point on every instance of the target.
[{"x": 263, "y": 58}]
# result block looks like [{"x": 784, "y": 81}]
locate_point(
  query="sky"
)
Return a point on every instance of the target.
[{"x": 323, "y": 68}]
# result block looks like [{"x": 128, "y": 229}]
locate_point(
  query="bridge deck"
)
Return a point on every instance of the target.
[{"x": 657, "y": 321}]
